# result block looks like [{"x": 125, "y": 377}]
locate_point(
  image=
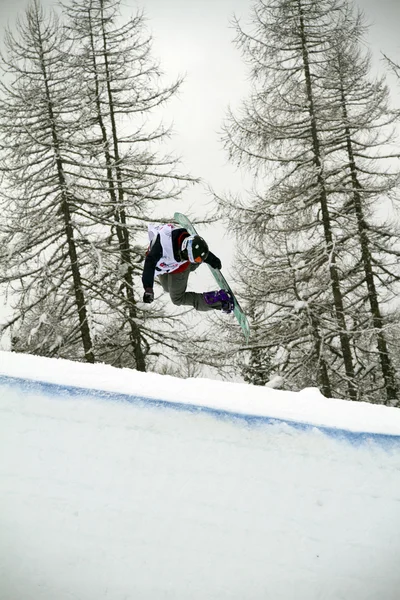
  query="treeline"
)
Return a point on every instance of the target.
[
  {"x": 319, "y": 252},
  {"x": 83, "y": 174},
  {"x": 317, "y": 237}
]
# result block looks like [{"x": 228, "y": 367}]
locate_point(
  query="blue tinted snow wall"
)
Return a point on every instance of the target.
[{"x": 111, "y": 495}]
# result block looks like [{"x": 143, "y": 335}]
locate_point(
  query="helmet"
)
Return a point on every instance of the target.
[{"x": 194, "y": 248}]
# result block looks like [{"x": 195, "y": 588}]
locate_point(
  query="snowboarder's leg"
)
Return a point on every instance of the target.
[
  {"x": 177, "y": 284},
  {"x": 163, "y": 279}
]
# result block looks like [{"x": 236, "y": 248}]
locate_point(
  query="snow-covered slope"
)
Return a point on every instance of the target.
[
  {"x": 305, "y": 407},
  {"x": 121, "y": 485}
]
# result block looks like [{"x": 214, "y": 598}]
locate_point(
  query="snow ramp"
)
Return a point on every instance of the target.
[{"x": 128, "y": 486}]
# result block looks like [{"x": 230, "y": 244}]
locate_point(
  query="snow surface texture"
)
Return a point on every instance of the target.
[{"x": 127, "y": 486}]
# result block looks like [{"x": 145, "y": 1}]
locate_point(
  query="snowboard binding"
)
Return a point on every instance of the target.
[{"x": 223, "y": 297}]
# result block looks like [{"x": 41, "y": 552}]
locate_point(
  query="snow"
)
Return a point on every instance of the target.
[
  {"x": 307, "y": 406},
  {"x": 121, "y": 485}
]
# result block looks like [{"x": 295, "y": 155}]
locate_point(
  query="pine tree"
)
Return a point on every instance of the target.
[
  {"x": 120, "y": 88},
  {"x": 307, "y": 239},
  {"x": 103, "y": 87},
  {"x": 40, "y": 239},
  {"x": 361, "y": 123}
]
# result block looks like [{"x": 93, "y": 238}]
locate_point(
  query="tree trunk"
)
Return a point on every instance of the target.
[
  {"x": 333, "y": 271},
  {"x": 322, "y": 372},
  {"x": 392, "y": 391},
  {"x": 122, "y": 231},
  {"x": 69, "y": 231}
]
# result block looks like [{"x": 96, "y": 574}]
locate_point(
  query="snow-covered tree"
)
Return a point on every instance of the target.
[
  {"x": 314, "y": 131},
  {"x": 40, "y": 240},
  {"x": 361, "y": 138},
  {"x": 125, "y": 175},
  {"x": 81, "y": 152}
]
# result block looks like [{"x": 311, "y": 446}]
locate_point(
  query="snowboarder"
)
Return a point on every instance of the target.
[{"x": 172, "y": 255}]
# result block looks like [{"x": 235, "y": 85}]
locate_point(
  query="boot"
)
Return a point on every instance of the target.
[{"x": 222, "y": 297}]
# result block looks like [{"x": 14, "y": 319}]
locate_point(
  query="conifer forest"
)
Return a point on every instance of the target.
[{"x": 84, "y": 168}]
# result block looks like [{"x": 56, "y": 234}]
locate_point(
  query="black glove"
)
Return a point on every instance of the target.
[
  {"x": 214, "y": 261},
  {"x": 148, "y": 295}
]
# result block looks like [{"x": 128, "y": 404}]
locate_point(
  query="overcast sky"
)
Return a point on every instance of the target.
[{"x": 194, "y": 37}]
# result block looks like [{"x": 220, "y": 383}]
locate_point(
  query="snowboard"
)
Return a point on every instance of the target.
[{"x": 185, "y": 222}]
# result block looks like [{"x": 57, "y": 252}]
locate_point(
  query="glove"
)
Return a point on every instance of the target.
[
  {"x": 148, "y": 295},
  {"x": 214, "y": 261}
]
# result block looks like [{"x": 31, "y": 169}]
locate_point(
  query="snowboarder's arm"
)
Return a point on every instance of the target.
[
  {"x": 151, "y": 260},
  {"x": 213, "y": 261}
]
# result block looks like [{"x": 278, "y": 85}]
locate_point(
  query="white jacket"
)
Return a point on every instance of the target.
[{"x": 167, "y": 262}]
